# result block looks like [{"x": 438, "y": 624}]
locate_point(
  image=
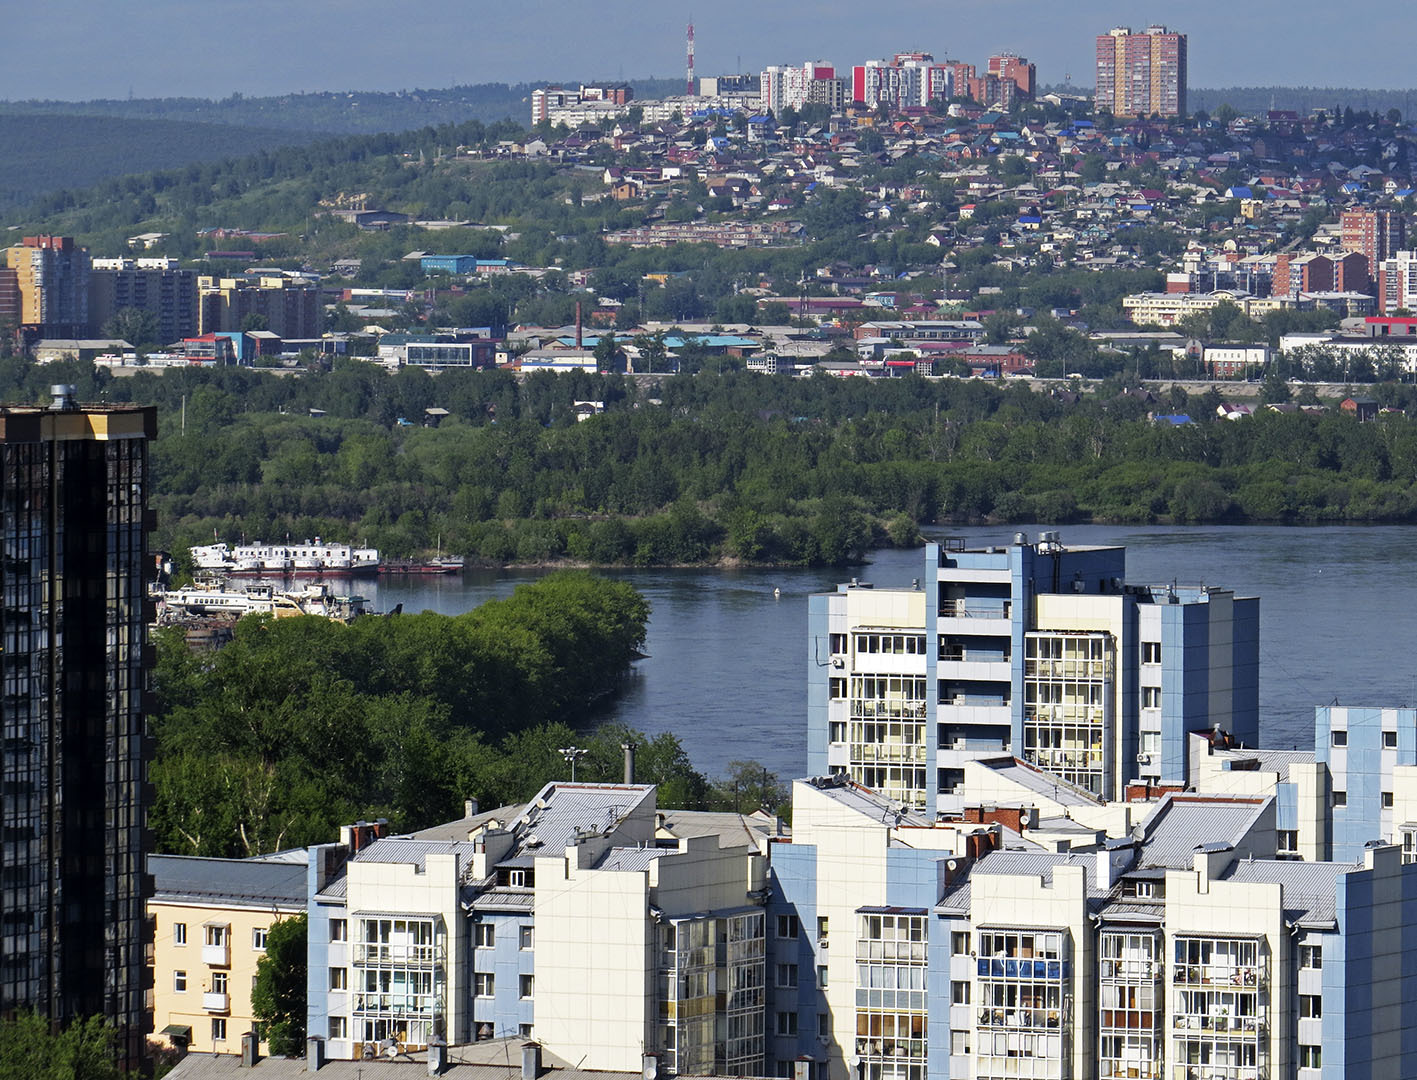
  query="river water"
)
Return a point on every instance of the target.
[{"x": 726, "y": 670}]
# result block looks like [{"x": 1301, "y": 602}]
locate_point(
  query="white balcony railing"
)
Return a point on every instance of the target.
[
  {"x": 213, "y": 1001},
  {"x": 217, "y": 955}
]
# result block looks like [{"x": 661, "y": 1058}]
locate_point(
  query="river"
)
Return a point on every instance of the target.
[{"x": 726, "y": 669}]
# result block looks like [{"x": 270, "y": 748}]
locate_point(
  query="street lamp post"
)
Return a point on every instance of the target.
[{"x": 573, "y": 754}]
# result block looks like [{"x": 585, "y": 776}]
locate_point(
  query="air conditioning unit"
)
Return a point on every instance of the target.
[
  {"x": 1143, "y": 759},
  {"x": 838, "y": 662}
]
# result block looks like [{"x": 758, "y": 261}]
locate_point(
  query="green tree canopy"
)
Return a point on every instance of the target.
[{"x": 278, "y": 998}]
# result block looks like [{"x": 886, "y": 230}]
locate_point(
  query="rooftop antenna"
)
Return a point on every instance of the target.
[{"x": 689, "y": 55}]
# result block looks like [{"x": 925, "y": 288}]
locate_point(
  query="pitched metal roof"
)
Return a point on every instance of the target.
[
  {"x": 404, "y": 849},
  {"x": 1181, "y": 824},
  {"x": 1310, "y": 888},
  {"x": 227, "y": 882}
]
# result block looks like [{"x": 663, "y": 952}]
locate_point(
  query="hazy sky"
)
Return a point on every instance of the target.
[{"x": 75, "y": 49}]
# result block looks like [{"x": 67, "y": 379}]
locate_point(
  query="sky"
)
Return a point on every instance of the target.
[{"x": 79, "y": 49}]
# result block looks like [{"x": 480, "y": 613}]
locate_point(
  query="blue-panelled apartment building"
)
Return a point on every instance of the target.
[{"x": 1036, "y": 650}]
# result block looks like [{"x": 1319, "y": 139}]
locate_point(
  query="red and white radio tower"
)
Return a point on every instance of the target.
[{"x": 689, "y": 80}]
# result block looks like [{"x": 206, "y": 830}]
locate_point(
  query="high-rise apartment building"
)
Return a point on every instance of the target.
[
  {"x": 165, "y": 291},
  {"x": 1008, "y": 943},
  {"x": 52, "y": 276},
  {"x": 814, "y": 82},
  {"x": 1378, "y": 234},
  {"x": 906, "y": 80},
  {"x": 1010, "y": 68},
  {"x": 1034, "y": 649},
  {"x": 1141, "y": 74},
  {"x": 73, "y": 657},
  {"x": 1397, "y": 282},
  {"x": 290, "y": 309}
]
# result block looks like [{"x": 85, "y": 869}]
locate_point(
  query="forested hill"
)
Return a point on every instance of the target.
[
  {"x": 1256, "y": 100},
  {"x": 332, "y": 112},
  {"x": 44, "y": 152}
]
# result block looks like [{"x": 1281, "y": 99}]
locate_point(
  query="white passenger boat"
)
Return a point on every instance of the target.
[{"x": 312, "y": 557}]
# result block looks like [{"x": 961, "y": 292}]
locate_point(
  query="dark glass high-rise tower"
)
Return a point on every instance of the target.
[{"x": 73, "y": 749}]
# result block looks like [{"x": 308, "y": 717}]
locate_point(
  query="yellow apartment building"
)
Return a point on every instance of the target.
[{"x": 211, "y": 917}]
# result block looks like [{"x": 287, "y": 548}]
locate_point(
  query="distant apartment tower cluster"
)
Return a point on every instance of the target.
[
  {"x": 45, "y": 286},
  {"x": 906, "y": 80},
  {"x": 556, "y": 103},
  {"x": 1008, "y": 78},
  {"x": 1141, "y": 74}
]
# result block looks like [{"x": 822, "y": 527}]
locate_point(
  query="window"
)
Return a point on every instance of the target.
[
  {"x": 339, "y": 930},
  {"x": 1310, "y": 1057},
  {"x": 1340, "y": 798},
  {"x": 822, "y": 930},
  {"x": 258, "y": 938},
  {"x": 787, "y": 1024},
  {"x": 1145, "y": 890},
  {"x": 1387, "y": 800},
  {"x": 959, "y": 1042},
  {"x": 838, "y": 644},
  {"x": 524, "y": 937},
  {"x": 339, "y": 1027},
  {"x": 485, "y": 935},
  {"x": 1389, "y": 741},
  {"x": 1287, "y": 843},
  {"x": 821, "y": 976},
  {"x": 216, "y": 935},
  {"x": 218, "y": 982},
  {"x": 179, "y": 982},
  {"x": 1151, "y": 697},
  {"x": 179, "y": 933},
  {"x": 1151, "y": 652},
  {"x": 218, "y": 1029},
  {"x": 524, "y": 1030},
  {"x": 838, "y": 689},
  {"x": 786, "y": 976},
  {"x": 959, "y": 993},
  {"x": 483, "y": 984},
  {"x": 787, "y": 927},
  {"x": 1310, "y": 1007},
  {"x": 339, "y": 978},
  {"x": 959, "y": 942},
  {"x": 526, "y": 984},
  {"x": 824, "y": 1026},
  {"x": 1311, "y": 956},
  {"x": 1339, "y": 738}
]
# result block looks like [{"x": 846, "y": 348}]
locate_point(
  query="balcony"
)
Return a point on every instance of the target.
[
  {"x": 215, "y": 1002},
  {"x": 217, "y": 955},
  {"x": 367, "y": 953}
]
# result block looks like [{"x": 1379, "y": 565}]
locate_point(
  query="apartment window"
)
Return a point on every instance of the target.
[
  {"x": 787, "y": 927},
  {"x": 339, "y": 930},
  {"x": 526, "y": 985},
  {"x": 824, "y": 1026},
  {"x": 216, "y": 935},
  {"x": 485, "y": 935},
  {"x": 1339, "y": 738},
  {"x": 1387, "y": 800},
  {"x": 1310, "y": 1057},
  {"x": 838, "y": 689},
  {"x": 1151, "y": 652},
  {"x": 1389, "y": 741},
  {"x": 787, "y": 1023},
  {"x": 1340, "y": 798},
  {"x": 959, "y": 1042},
  {"x": 258, "y": 938},
  {"x": 959, "y": 942},
  {"x": 218, "y": 982},
  {"x": 179, "y": 982},
  {"x": 339, "y": 978},
  {"x": 1145, "y": 890},
  {"x": 218, "y": 1029},
  {"x": 339, "y": 1027},
  {"x": 1310, "y": 1007},
  {"x": 524, "y": 937},
  {"x": 483, "y": 984},
  {"x": 786, "y": 976},
  {"x": 822, "y": 930},
  {"x": 1311, "y": 956},
  {"x": 1151, "y": 697},
  {"x": 821, "y": 976},
  {"x": 179, "y": 933},
  {"x": 959, "y": 992},
  {"x": 524, "y": 1030},
  {"x": 838, "y": 643},
  {"x": 1287, "y": 843}
]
